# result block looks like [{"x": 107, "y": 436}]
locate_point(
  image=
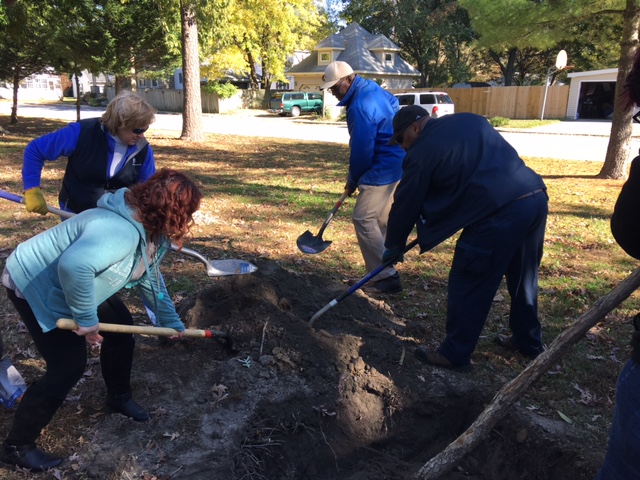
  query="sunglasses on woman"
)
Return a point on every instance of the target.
[{"x": 139, "y": 131}]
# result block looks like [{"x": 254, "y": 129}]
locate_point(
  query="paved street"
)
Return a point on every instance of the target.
[{"x": 568, "y": 140}]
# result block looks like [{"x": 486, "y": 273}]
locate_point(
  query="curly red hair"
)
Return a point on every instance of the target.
[
  {"x": 630, "y": 95},
  {"x": 165, "y": 204}
]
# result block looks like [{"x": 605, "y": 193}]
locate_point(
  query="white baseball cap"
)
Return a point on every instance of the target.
[{"x": 334, "y": 72}]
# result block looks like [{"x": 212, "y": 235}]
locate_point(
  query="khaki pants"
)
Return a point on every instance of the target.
[{"x": 370, "y": 216}]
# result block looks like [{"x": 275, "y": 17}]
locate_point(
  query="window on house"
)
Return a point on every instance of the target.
[
  {"x": 325, "y": 57},
  {"x": 154, "y": 83},
  {"x": 388, "y": 58}
]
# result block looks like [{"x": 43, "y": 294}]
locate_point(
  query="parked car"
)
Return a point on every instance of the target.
[
  {"x": 437, "y": 104},
  {"x": 295, "y": 103}
]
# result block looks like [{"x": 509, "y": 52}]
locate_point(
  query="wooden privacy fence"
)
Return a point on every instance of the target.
[
  {"x": 508, "y": 102},
  {"x": 168, "y": 100}
]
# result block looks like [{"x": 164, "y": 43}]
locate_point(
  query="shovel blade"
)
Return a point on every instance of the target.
[{"x": 308, "y": 243}]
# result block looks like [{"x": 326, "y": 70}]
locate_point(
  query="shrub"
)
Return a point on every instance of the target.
[
  {"x": 499, "y": 121},
  {"x": 223, "y": 90}
]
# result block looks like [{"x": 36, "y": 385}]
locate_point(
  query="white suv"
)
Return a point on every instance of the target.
[{"x": 436, "y": 103}]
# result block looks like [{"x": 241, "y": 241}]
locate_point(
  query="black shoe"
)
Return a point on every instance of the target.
[
  {"x": 435, "y": 358},
  {"x": 509, "y": 344},
  {"x": 390, "y": 284},
  {"x": 29, "y": 457},
  {"x": 506, "y": 342},
  {"x": 128, "y": 407}
]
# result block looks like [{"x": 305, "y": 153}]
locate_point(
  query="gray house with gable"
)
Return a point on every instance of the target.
[{"x": 371, "y": 56}]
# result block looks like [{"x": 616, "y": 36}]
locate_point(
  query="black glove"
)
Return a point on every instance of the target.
[{"x": 393, "y": 255}]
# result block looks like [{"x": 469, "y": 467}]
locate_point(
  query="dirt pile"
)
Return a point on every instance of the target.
[{"x": 280, "y": 400}]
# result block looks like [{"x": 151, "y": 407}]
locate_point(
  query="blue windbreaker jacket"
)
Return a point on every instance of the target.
[{"x": 370, "y": 112}]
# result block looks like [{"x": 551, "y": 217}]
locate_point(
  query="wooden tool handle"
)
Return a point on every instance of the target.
[{"x": 68, "y": 324}]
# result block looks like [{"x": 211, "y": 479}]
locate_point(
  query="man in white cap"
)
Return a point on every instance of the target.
[{"x": 375, "y": 167}]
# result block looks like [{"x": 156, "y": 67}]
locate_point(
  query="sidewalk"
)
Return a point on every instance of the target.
[{"x": 598, "y": 128}]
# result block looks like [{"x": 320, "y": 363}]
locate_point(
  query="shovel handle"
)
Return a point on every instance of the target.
[
  {"x": 18, "y": 199},
  {"x": 68, "y": 324},
  {"x": 333, "y": 211}
]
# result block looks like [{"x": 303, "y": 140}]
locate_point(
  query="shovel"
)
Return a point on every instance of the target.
[
  {"x": 359, "y": 284},
  {"x": 308, "y": 243},
  {"x": 68, "y": 324},
  {"x": 215, "y": 268}
]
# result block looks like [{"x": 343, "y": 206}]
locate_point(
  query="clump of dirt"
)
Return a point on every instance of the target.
[{"x": 279, "y": 400}]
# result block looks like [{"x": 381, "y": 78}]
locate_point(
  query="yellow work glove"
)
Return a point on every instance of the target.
[{"x": 35, "y": 202}]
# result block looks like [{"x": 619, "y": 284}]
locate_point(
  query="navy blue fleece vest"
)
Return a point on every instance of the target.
[{"x": 85, "y": 179}]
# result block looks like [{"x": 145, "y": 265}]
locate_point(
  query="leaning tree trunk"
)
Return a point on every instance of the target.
[
  {"x": 510, "y": 393},
  {"x": 621, "y": 129},
  {"x": 192, "y": 101}
]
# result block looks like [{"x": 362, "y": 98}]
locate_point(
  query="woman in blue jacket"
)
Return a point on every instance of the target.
[
  {"x": 104, "y": 154},
  {"x": 68, "y": 271}
]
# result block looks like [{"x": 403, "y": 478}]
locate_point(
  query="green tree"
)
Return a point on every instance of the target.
[
  {"x": 24, "y": 45},
  {"x": 266, "y": 33},
  {"x": 514, "y": 31}
]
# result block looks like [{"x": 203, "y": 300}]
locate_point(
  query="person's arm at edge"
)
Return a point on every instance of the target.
[
  {"x": 407, "y": 206},
  {"x": 49, "y": 147}
]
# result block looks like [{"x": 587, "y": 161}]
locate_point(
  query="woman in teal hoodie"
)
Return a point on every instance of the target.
[{"x": 68, "y": 271}]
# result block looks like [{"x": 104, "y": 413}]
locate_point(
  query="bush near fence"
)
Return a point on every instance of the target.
[{"x": 508, "y": 102}]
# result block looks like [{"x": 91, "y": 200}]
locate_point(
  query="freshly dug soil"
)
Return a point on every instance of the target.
[{"x": 279, "y": 400}]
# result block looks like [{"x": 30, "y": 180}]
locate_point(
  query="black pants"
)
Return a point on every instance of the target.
[{"x": 65, "y": 354}]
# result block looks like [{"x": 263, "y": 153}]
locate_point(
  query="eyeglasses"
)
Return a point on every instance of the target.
[
  {"x": 400, "y": 139},
  {"x": 139, "y": 131},
  {"x": 337, "y": 85}
]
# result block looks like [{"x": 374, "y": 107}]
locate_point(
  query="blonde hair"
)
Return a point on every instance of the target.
[{"x": 127, "y": 110}]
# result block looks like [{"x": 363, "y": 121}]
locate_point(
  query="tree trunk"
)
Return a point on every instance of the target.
[
  {"x": 78, "y": 96},
  {"x": 511, "y": 392},
  {"x": 118, "y": 85},
  {"x": 618, "y": 149},
  {"x": 253, "y": 74},
  {"x": 508, "y": 71},
  {"x": 192, "y": 103},
  {"x": 14, "y": 105}
]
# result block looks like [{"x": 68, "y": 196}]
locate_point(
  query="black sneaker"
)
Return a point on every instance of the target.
[{"x": 390, "y": 284}]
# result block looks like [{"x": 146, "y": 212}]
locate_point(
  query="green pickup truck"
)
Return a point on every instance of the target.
[{"x": 295, "y": 103}]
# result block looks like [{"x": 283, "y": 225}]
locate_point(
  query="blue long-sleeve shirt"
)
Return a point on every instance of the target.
[
  {"x": 62, "y": 143},
  {"x": 370, "y": 112}
]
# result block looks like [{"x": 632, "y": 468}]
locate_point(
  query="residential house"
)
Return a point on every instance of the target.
[
  {"x": 40, "y": 86},
  {"x": 372, "y": 56}
]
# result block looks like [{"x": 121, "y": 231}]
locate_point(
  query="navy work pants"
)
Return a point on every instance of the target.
[
  {"x": 622, "y": 461},
  {"x": 509, "y": 242}
]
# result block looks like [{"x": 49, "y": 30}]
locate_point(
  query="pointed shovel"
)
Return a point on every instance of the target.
[
  {"x": 215, "y": 268},
  {"x": 308, "y": 243}
]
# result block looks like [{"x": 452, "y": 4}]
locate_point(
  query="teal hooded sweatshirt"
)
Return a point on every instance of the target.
[{"x": 70, "y": 269}]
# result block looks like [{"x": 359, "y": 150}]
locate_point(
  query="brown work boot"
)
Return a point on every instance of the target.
[
  {"x": 435, "y": 358},
  {"x": 390, "y": 284}
]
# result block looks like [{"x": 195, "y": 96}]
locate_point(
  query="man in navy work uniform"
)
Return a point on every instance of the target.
[
  {"x": 459, "y": 173},
  {"x": 375, "y": 167}
]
